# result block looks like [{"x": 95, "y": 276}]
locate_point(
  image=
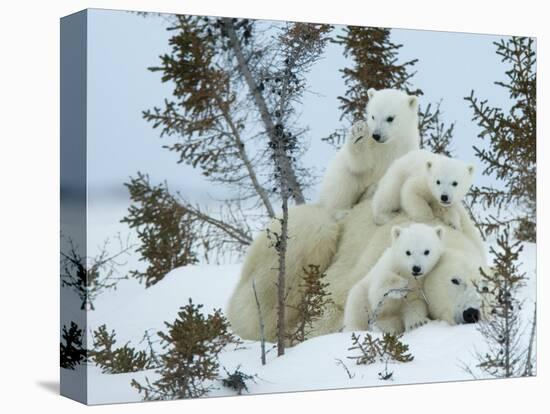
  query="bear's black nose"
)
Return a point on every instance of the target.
[
  {"x": 376, "y": 137},
  {"x": 471, "y": 315},
  {"x": 445, "y": 198},
  {"x": 416, "y": 269}
]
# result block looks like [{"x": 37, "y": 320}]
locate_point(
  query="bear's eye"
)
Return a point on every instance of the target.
[
  {"x": 372, "y": 117},
  {"x": 408, "y": 252},
  {"x": 455, "y": 281},
  {"x": 485, "y": 289},
  {"x": 455, "y": 183},
  {"x": 426, "y": 252},
  {"x": 389, "y": 119},
  {"x": 438, "y": 182}
]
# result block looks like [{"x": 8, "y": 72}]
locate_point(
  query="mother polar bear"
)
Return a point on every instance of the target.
[{"x": 346, "y": 251}]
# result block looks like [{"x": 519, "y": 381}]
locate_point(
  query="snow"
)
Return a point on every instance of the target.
[{"x": 440, "y": 351}]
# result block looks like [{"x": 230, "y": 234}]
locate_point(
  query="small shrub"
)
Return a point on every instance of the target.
[
  {"x": 506, "y": 355},
  {"x": 385, "y": 349},
  {"x": 113, "y": 360},
  {"x": 314, "y": 300},
  {"x": 192, "y": 343},
  {"x": 237, "y": 380}
]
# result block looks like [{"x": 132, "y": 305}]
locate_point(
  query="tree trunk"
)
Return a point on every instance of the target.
[
  {"x": 285, "y": 163},
  {"x": 261, "y": 320},
  {"x": 281, "y": 328}
]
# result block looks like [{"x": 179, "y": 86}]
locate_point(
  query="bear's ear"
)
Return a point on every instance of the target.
[
  {"x": 439, "y": 231},
  {"x": 371, "y": 92},
  {"x": 413, "y": 102},
  {"x": 429, "y": 165},
  {"x": 395, "y": 232},
  {"x": 471, "y": 169}
]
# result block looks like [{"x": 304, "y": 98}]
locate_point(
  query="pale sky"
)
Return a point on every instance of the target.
[{"x": 122, "y": 45}]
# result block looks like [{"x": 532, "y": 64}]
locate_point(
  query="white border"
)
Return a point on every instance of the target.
[{"x": 29, "y": 163}]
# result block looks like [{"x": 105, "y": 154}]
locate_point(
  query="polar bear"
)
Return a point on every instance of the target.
[
  {"x": 423, "y": 184},
  {"x": 391, "y": 130},
  {"x": 312, "y": 239},
  {"x": 345, "y": 251},
  {"x": 391, "y": 294},
  {"x": 449, "y": 293},
  {"x": 362, "y": 243},
  {"x": 452, "y": 289}
]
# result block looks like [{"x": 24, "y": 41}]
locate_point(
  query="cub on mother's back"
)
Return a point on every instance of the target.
[
  {"x": 423, "y": 185},
  {"x": 391, "y": 130}
]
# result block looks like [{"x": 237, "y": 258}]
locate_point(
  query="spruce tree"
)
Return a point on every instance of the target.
[
  {"x": 233, "y": 116},
  {"x": 165, "y": 227},
  {"x": 314, "y": 300},
  {"x": 507, "y": 354},
  {"x": 189, "y": 364},
  {"x": 508, "y": 152},
  {"x": 302, "y": 45},
  {"x": 376, "y": 64}
]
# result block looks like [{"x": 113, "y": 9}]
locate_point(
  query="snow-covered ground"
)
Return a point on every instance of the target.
[{"x": 440, "y": 351}]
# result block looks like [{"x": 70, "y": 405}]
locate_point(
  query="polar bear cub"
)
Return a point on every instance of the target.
[
  {"x": 391, "y": 130},
  {"x": 423, "y": 184},
  {"x": 390, "y": 296}
]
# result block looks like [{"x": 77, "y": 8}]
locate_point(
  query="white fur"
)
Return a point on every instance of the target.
[
  {"x": 423, "y": 184},
  {"x": 361, "y": 245},
  {"x": 390, "y": 295},
  {"x": 448, "y": 301},
  {"x": 361, "y": 162},
  {"x": 346, "y": 252},
  {"x": 313, "y": 236}
]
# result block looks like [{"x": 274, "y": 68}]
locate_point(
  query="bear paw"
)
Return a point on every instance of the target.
[
  {"x": 451, "y": 218},
  {"x": 392, "y": 326},
  {"x": 359, "y": 132},
  {"x": 397, "y": 288},
  {"x": 417, "y": 323},
  {"x": 455, "y": 224}
]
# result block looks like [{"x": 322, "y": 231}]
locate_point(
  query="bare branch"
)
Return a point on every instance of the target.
[
  {"x": 262, "y": 108},
  {"x": 91, "y": 276},
  {"x": 261, "y": 321}
]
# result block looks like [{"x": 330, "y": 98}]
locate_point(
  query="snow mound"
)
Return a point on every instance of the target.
[{"x": 440, "y": 351}]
